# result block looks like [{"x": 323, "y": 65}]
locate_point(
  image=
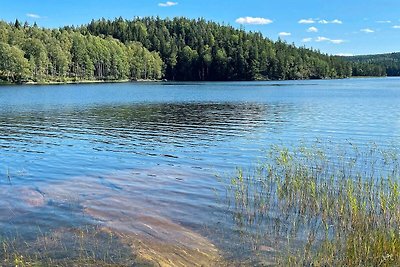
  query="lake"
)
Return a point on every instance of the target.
[{"x": 147, "y": 159}]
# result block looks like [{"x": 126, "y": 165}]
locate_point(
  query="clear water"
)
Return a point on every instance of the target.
[{"x": 69, "y": 152}]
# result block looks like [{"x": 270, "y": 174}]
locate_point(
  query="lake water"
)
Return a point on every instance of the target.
[{"x": 137, "y": 155}]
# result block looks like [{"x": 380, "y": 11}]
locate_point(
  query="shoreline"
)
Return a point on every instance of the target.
[
  {"x": 84, "y": 82},
  {"x": 72, "y": 82}
]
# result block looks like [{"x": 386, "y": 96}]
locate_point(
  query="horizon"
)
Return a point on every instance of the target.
[{"x": 338, "y": 28}]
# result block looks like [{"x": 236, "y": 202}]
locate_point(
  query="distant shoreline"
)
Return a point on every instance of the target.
[
  {"x": 79, "y": 82},
  {"x": 71, "y": 82}
]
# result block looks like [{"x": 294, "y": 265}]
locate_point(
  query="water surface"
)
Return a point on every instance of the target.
[{"x": 112, "y": 153}]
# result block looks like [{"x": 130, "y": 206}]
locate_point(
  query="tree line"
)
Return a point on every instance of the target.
[
  {"x": 202, "y": 50},
  {"x": 368, "y": 65},
  {"x": 153, "y": 48},
  {"x": 30, "y": 53}
]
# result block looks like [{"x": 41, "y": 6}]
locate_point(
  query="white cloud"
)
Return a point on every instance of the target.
[
  {"x": 312, "y": 29},
  {"x": 253, "y": 21},
  {"x": 307, "y": 21},
  {"x": 325, "y": 39},
  {"x": 344, "y": 55},
  {"x": 168, "y": 4},
  {"x": 34, "y": 16},
  {"x": 367, "y": 30},
  {"x": 336, "y": 41},
  {"x": 384, "y": 21},
  {"x": 321, "y": 39},
  {"x": 306, "y": 40},
  {"x": 335, "y": 21},
  {"x": 396, "y": 27},
  {"x": 283, "y": 34}
]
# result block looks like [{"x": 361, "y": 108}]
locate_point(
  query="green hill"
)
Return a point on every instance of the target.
[
  {"x": 389, "y": 63},
  {"x": 204, "y": 50},
  {"x": 175, "y": 49}
]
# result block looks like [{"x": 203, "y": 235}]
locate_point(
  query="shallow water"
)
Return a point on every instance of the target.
[{"x": 153, "y": 150}]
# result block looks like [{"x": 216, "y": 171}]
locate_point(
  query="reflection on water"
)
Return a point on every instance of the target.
[
  {"x": 133, "y": 157},
  {"x": 129, "y": 125}
]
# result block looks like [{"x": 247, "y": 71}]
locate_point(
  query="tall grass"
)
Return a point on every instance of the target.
[
  {"x": 85, "y": 246},
  {"x": 329, "y": 206}
]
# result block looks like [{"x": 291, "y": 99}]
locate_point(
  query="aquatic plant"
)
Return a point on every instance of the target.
[
  {"x": 324, "y": 206},
  {"x": 84, "y": 246}
]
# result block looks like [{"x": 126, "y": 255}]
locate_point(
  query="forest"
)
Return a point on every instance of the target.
[
  {"x": 29, "y": 53},
  {"x": 389, "y": 64},
  {"x": 152, "y": 48}
]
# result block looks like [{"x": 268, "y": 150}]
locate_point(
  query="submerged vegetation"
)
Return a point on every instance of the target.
[
  {"x": 341, "y": 210},
  {"x": 153, "y": 48},
  {"x": 84, "y": 246}
]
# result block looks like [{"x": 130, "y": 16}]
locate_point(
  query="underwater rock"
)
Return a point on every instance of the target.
[
  {"x": 32, "y": 197},
  {"x": 117, "y": 203}
]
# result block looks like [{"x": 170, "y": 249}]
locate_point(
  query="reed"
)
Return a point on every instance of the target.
[{"x": 340, "y": 207}]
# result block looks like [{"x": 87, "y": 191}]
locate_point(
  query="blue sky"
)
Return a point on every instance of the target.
[{"x": 334, "y": 27}]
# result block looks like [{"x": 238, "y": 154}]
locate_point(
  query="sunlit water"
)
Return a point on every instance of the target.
[{"x": 110, "y": 153}]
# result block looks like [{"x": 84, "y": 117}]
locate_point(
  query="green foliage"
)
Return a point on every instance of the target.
[
  {"x": 29, "y": 53},
  {"x": 13, "y": 66},
  {"x": 177, "y": 49},
  {"x": 385, "y": 64},
  {"x": 201, "y": 50}
]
